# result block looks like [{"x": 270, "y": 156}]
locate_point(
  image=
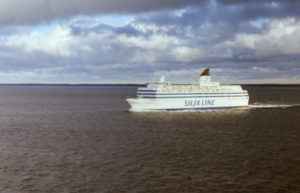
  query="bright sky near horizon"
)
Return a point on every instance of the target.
[{"x": 134, "y": 41}]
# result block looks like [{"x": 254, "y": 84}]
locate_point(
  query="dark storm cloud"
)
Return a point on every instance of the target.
[
  {"x": 253, "y": 1},
  {"x": 79, "y": 30},
  {"x": 22, "y": 12},
  {"x": 241, "y": 10},
  {"x": 233, "y": 13},
  {"x": 202, "y": 24}
]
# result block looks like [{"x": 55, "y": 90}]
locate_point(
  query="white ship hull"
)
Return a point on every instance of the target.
[
  {"x": 181, "y": 104},
  {"x": 202, "y": 96}
]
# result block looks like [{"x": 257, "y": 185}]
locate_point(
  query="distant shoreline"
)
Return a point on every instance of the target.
[
  {"x": 39, "y": 84},
  {"x": 142, "y": 85},
  {"x": 270, "y": 85}
]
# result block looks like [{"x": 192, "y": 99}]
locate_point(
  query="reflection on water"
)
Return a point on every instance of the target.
[{"x": 79, "y": 139}]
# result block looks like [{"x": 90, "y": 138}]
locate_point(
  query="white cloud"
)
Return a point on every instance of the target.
[
  {"x": 159, "y": 42},
  {"x": 56, "y": 43},
  {"x": 281, "y": 38},
  {"x": 187, "y": 54}
]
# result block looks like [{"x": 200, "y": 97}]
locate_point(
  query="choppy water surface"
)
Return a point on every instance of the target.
[{"x": 82, "y": 139}]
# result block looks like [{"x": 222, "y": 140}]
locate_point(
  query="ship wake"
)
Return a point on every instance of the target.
[{"x": 267, "y": 106}]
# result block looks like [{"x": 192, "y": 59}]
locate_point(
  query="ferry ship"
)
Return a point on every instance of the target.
[{"x": 175, "y": 97}]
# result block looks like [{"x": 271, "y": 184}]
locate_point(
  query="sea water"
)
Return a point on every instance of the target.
[{"x": 83, "y": 139}]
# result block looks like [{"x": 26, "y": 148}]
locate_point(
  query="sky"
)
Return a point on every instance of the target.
[{"x": 136, "y": 41}]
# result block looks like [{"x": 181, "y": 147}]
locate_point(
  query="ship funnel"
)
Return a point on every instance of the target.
[
  {"x": 205, "y": 77},
  {"x": 205, "y": 72}
]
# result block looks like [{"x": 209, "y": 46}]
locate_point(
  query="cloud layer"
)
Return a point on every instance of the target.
[{"x": 242, "y": 41}]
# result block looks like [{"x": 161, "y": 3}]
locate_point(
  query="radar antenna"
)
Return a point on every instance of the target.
[{"x": 162, "y": 78}]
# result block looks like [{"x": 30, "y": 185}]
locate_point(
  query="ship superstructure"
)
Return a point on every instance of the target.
[{"x": 176, "y": 97}]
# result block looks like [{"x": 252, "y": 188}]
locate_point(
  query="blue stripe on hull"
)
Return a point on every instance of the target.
[
  {"x": 194, "y": 109},
  {"x": 152, "y": 97},
  {"x": 187, "y": 93}
]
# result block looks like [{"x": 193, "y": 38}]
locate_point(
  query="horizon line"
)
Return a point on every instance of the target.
[{"x": 139, "y": 84}]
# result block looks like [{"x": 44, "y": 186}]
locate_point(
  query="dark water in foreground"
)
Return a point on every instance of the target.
[{"x": 82, "y": 139}]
